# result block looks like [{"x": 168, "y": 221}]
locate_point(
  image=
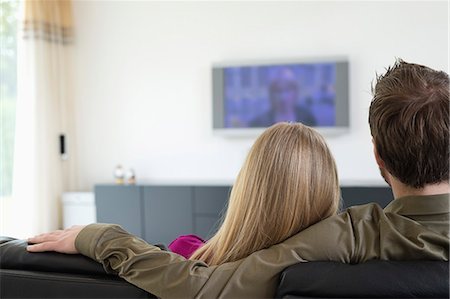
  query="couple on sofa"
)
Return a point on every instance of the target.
[{"x": 283, "y": 206}]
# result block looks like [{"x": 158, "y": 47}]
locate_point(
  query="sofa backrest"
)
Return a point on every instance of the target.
[
  {"x": 373, "y": 279},
  {"x": 55, "y": 275}
]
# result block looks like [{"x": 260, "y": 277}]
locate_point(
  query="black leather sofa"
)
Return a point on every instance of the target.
[{"x": 54, "y": 275}]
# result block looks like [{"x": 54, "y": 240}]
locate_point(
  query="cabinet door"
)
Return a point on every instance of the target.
[
  {"x": 209, "y": 204},
  {"x": 352, "y": 196},
  {"x": 168, "y": 213},
  {"x": 206, "y": 226},
  {"x": 120, "y": 205}
]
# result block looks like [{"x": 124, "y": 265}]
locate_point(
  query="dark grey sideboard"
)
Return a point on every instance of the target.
[{"x": 159, "y": 214}]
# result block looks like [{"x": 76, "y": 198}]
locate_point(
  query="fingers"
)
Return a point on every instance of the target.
[
  {"x": 45, "y": 237},
  {"x": 61, "y": 241},
  {"x": 41, "y": 247}
]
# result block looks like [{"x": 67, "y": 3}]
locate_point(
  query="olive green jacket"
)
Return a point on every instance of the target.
[{"x": 409, "y": 228}]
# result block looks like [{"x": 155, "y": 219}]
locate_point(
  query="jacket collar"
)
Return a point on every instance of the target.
[{"x": 420, "y": 205}]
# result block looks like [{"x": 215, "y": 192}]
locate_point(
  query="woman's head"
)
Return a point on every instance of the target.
[{"x": 287, "y": 183}]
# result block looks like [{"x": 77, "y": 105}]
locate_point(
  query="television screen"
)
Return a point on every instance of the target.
[{"x": 257, "y": 96}]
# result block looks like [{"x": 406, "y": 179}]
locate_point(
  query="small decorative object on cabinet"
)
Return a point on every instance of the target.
[
  {"x": 119, "y": 175},
  {"x": 131, "y": 177}
]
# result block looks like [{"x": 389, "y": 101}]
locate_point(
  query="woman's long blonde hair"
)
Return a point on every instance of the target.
[{"x": 287, "y": 183}]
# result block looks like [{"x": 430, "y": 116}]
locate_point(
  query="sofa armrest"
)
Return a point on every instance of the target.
[
  {"x": 14, "y": 255},
  {"x": 56, "y": 275}
]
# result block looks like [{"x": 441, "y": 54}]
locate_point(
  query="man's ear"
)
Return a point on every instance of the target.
[{"x": 380, "y": 162}]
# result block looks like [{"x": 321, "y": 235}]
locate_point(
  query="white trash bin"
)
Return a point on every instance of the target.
[{"x": 78, "y": 208}]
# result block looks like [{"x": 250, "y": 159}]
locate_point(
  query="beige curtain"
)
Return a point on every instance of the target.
[
  {"x": 44, "y": 112},
  {"x": 50, "y": 20}
]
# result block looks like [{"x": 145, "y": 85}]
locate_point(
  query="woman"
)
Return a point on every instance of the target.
[{"x": 287, "y": 183}]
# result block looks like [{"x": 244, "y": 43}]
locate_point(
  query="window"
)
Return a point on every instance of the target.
[{"x": 8, "y": 91}]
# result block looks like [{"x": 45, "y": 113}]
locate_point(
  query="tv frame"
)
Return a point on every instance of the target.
[{"x": 342, "y": 94}]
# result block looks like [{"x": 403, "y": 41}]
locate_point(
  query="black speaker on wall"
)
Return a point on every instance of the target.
[{"x": 62, "y": 146}]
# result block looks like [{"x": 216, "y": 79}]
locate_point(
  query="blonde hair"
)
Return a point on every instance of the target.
[{"x": 287, "y": 183}]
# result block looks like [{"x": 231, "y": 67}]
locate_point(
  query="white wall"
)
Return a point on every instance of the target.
[{"x": 143, "y": 84}]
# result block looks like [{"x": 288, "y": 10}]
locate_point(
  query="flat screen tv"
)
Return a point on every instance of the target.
[{"x": 248, "y": 97}]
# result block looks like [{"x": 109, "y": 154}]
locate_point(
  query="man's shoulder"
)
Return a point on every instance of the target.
[{"x": 365, "y": 208}]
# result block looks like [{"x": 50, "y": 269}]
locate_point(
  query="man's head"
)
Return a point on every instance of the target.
[{"x": 409, "y": 122}]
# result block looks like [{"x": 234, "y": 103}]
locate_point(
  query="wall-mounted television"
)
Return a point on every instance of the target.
[{"x": 248, "y": 97}]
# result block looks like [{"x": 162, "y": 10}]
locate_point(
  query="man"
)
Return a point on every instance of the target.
[{"x": 409, "y": 121}]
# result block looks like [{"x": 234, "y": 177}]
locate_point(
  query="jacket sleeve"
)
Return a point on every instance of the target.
[
  {"x": 350, "y": 237},
  {"x": 366, "y": 232},
  {"x": 162, "y": 273}
]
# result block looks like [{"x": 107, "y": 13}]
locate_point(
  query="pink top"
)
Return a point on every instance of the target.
[{"x": 186, "y": 245}]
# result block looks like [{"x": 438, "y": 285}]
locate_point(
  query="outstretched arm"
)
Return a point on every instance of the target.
[{"x": 161, "y": 273}]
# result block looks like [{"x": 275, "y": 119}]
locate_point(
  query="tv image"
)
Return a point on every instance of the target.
[{"x": 256, "y": 96}]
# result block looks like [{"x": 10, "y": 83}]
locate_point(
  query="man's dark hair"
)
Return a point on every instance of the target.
[{"x": 409, "y": 122}]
